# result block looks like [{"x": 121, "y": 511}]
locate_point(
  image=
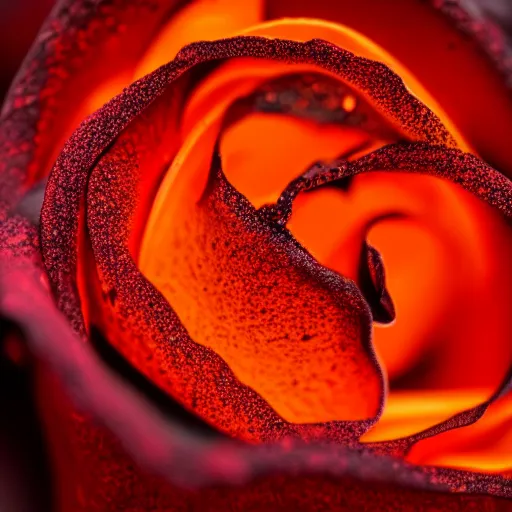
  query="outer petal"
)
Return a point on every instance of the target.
[
  {"x": 23, "y": 317},
  {"x": 96, "y": 451},
  {"x": 82, "y": 42}
]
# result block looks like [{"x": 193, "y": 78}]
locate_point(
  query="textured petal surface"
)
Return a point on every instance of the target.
[
  {"x": 114, "y": 427},
  {"x": 464, "y": 169},
  {"x": 64, "y": 190},
  {"x": 116, "y": 448},
  {"x": 66, "y": 186},
  {"x": 234, "y": 301}
]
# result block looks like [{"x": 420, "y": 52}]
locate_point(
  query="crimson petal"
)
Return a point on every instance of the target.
[
  {"x": 60, "y": 218},
  {"x": 119, "y": 428}
]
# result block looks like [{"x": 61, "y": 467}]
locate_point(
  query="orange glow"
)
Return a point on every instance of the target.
[
  {"x": 409, "y": 412},
  {"x": 199, "y": 21},
  {"x": 349, "y": 103},
  {"x": 306, "y": 385},
  {"x": 484, "y": 446},
  {"x": 304, "y": 29},
  {"x": 449, "y": 64},
  {"x": 263, "y": 152},
  {"x": 235, "y": 79},
  {"x": 423, "y": 253}
]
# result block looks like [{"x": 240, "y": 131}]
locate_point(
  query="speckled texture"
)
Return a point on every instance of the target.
[
  {"x": 141, "y": 323},
  {"x": 115, "y": 451},
  {"x": 67, "y": 185},
  {"x": 68, "y": 179},
  {"x": 122, "y": 451},
  {"x": 462, "y": 168}
]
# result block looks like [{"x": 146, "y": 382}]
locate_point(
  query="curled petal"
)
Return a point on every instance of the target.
[
  {"x": 80, "y": 44},
  {"x": 461, "y": 168},
  {"x": 108, "y": 426},
  {"x": 203, "y": 240},
  {"x": 61, "y": 216},
  {"x": 465, "y": 169}
]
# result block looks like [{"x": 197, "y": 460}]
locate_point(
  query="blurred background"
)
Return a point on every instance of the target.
[{"x": 19, "y": 22}]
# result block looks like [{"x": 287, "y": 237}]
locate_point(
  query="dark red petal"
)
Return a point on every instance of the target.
[
  {"x": 481, "y": 20},
  {"x": 465, "y": 169},
  {"x": 116, "y": 450},
  {"x": 80, "y": 44}
]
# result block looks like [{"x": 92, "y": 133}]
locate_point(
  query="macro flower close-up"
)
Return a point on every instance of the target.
[{"x": 256, "y": 256}]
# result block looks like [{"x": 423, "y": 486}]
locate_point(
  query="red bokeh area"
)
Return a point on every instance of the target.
[{"x": 19, "y": 24}]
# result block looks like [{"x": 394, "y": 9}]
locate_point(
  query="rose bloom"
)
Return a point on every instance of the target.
[{"x": 255, "y": 256}]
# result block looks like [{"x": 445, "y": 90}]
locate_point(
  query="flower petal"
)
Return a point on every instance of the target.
[
  {"x": 458, "y": 56},
  {"x": 461, "y": 168},
  {"x": 81, "y": 43},
  {"x": 60, "y": 215},
  {"x": 111, "y": 446},
  {"x": 316, "y": 306}
]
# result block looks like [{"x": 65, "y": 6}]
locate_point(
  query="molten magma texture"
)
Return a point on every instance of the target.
[
  {"x": 324, "y": 320},
  {"x": 308, "y": 358},
  {"x": 405, "y": 217}
]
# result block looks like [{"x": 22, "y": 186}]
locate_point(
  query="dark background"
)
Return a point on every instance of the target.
[{"x": 19, "y": 22}]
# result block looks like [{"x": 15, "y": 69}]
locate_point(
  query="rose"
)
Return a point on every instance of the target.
[{"x": 111, "y": 446}]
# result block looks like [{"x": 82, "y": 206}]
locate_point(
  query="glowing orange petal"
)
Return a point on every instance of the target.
[
  {"x": 483, "y": 446},
  {"x": 198, "y": 21},
  {"x": 409, "y": 412},
  {"x": 299, "y": 359},
  {"x": 304, "y": 29},
  {"x": 262, "y": 153}
]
